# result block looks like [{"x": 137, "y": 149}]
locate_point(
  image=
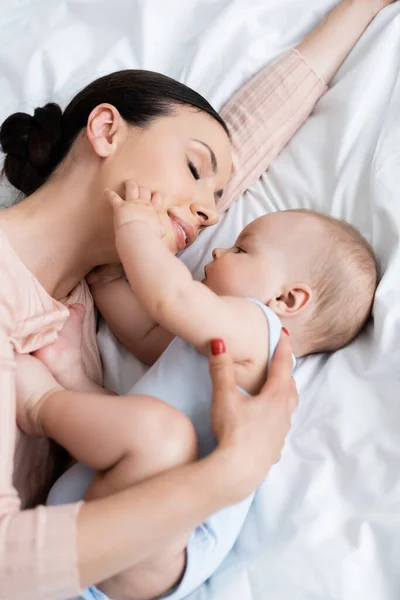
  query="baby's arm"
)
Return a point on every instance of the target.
[
  {"x": 131, "y": 325},
  {"x": 166, "y": 290}
]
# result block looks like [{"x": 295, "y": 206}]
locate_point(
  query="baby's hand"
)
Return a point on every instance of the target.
[{"x": 140, "y": 205}]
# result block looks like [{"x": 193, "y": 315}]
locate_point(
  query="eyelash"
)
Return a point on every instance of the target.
[
  {"x": 240, "y": 250},
  {"x": 193, "y": 170}
]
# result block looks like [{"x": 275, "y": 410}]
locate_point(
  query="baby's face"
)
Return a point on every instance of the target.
[{"x": 260, "y": 263}]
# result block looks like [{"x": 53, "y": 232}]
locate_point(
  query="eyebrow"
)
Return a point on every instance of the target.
[
  {"x": 245, "y": 237},
  {"x": 214, "y": 164}
]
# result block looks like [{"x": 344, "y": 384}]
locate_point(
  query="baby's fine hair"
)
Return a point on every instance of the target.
[{"x": 344, "y": 277}]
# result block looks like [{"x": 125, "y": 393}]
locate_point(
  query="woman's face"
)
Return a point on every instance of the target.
[{"x": 186, "y": 157}]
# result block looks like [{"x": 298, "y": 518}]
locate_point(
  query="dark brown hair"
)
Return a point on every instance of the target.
[{"x": 35, "y": 145}]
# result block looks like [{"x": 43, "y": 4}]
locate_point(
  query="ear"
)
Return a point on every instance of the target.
[
  {"x": 103, "y": 128},
  {"x": 293, "y": 299}
]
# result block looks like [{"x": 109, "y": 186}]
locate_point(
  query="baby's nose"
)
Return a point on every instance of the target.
[{"x": 216, "y": 253}]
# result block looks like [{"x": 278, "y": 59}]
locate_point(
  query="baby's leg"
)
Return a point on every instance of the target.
[
  {"x": 127, "y": 438},
  {"x": 118, "y": 435}
]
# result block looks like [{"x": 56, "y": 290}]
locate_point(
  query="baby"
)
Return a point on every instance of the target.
[{"x": 310, "y": 273}]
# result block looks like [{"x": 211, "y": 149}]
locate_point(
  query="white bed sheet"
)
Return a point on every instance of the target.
[{"x": 326, "y": 525}]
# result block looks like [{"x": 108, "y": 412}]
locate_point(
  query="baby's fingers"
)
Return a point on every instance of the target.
[
  {"x": 131, "y": 191},
  {"x": 113, "y": 198},
  {"x": 135, "y": 193},
  {"x": 157, "y": 200},
  {"x": 144, "y": 195}
]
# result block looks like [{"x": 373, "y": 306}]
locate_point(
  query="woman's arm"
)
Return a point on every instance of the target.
[
  {"x": 267, "y": 111},
  {"x": 250, "y": 433},
  {"x": 52, "y": 551},
  {"x": 37, "y": 547},
  {"x": 329, "y": 43}
]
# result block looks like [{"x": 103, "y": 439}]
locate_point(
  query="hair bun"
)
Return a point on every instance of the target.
[{"x": 32, "y": 146}]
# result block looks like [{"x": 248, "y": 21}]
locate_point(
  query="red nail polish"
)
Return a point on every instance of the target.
[
  {"x": 285, "y": 330},
  {"x": 217, "y": 347}
]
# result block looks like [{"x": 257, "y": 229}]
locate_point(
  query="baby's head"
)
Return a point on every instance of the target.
[{"x": 318, "y": 274}]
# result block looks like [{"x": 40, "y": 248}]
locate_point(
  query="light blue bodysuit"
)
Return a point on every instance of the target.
[{"x": 181, "y": 378}]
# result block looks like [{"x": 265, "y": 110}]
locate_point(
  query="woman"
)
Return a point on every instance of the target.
[{"x": 63, "y": 230}]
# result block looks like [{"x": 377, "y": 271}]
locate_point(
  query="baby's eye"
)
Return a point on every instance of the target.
[
  {"x": 239, "y": 250},
  {"x": 193, "y": 170}
]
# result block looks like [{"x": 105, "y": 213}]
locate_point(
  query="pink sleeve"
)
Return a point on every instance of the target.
[
  {"x": 38, "y": 554},
  {"x": 264, "y": 114},
  {"x": 38, "y": 550}
]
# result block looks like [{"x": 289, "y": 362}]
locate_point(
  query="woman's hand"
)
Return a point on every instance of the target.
[
  {"x": 375, "y": 6},
  {"x": 382, "y": 4},
  {"x": 140, "y": 205},
  {"x": 327, "y": 46},
  {"x": 251, "y": 430}
]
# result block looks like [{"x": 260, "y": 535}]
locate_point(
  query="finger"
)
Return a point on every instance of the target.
[
  {"x": 131, "y": 190},
  {"x": 221, "y": 369},
  {"x": 157, "y": 201},
  {"x": 294, "y": 397},
  {"x": 280, "y": 371},
  {"x": 144, "y": 195},
  {"x": 113, "y": 198}
]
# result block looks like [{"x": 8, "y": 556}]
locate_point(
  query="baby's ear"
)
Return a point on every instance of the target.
[{"x": 293, "y": 299}]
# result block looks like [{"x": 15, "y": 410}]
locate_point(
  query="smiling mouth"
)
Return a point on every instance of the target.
[{"x": 184, "y": 233}]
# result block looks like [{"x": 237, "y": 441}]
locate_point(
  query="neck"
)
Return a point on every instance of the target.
[{"x": 61, "y": 232}]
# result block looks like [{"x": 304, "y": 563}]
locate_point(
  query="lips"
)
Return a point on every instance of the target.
[{"x": 184, "y": 233}]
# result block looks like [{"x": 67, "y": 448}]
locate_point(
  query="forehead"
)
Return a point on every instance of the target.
[
  {"x": 281, "y": 226},
  {"x": 189, "y": 124}
]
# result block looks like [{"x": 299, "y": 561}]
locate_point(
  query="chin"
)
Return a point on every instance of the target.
[{"x": 210, "y": 286}]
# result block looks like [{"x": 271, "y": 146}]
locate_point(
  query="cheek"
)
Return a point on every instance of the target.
[
  {"x": 146, "y": 164},
  {"x": 160, "y": 168},
  {"x": 226, "y": 279}
]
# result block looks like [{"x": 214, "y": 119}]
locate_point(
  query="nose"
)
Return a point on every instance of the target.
[
  {"x": 217, "y": 253},
  {"x": 206, "y": 213}
]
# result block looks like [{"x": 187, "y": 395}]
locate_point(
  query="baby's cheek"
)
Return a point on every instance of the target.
[{"x": 228, "y": 284}]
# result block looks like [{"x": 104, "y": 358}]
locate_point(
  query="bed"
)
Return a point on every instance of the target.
[{"x": 326, "y": 523}]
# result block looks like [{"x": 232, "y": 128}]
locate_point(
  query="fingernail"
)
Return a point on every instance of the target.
[
  {"x": 217, "y": 347},
  {"x": 285, "y": 330}
]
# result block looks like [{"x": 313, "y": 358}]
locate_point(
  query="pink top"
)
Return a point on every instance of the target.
[{"x": 38, "y": 547}]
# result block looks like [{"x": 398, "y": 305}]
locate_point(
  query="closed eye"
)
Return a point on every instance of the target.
[
  {"x": 239, "y": 250},
  {"x": 193, "y": 170}
]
